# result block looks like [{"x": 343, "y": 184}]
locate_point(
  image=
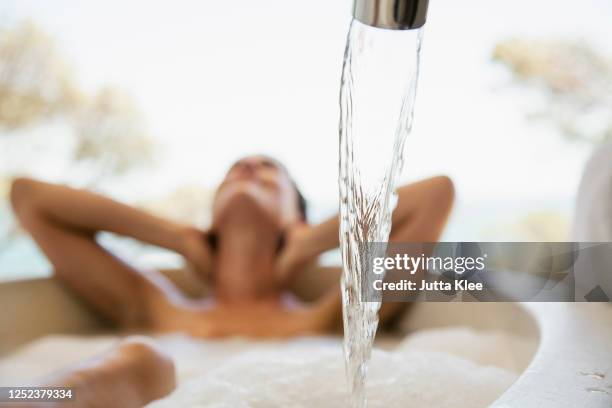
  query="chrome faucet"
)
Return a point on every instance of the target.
[{"x": 391, "y": 14}]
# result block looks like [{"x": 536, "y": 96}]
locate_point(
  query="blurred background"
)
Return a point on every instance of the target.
[{"x": 150, "y": 102}]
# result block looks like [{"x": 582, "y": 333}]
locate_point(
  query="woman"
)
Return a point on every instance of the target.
[{"x": 258, "y": 241}]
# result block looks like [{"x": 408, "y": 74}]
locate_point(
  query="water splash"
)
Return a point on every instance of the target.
[{"x": 378, "y": 88}]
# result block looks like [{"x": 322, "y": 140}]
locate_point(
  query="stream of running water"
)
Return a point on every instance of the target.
[{"x": 378, "y": 89}]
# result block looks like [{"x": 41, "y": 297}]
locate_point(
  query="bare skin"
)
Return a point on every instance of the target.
[
  {"x": 130, "y": 375},
  {"x": 254, "y": 206}
]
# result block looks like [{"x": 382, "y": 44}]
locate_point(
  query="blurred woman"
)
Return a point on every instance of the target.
[{"x": 259, "y": 240}]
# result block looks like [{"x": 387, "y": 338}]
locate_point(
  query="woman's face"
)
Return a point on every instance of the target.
[{"x": 257, "y": 187}]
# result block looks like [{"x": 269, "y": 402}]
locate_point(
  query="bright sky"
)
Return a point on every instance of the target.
[{"x": 217, "y": 79}]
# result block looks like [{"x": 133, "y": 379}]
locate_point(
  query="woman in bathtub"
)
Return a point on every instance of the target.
[{"x": 258, "y": 241}]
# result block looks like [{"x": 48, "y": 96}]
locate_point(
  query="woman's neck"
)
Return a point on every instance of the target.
[{"x": 245, "y": 261}]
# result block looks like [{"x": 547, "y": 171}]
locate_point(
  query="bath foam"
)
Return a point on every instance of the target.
[
  {"x": 304, "y": 372},
  {"x": 313, "y": 376}
]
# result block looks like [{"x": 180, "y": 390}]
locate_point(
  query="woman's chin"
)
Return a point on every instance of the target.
[{"x": 246, "y": 205}]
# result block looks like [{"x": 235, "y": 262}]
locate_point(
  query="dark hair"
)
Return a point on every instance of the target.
[{"x": 301, "y": 202}]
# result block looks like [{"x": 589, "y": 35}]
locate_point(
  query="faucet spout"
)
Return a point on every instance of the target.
[{"x": 391, "y": 14}]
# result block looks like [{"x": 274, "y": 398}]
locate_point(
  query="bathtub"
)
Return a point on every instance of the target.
[{"x": 570, "y": 367}]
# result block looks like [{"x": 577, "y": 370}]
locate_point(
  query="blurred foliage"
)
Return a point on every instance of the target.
[
  {"x": 575, "y": 79},
  {"x": 34, "y": 81},
  {"x": 38, "y": 90},
  {"x": 36, "y": 87},
  {"x": 110, "y": 133}
]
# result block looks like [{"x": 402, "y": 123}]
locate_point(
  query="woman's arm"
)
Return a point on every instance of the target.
[
  {"x": 90, "y": 212},
  {"x": 63, "y": 222},
  {"x": 420, "y": 216}
]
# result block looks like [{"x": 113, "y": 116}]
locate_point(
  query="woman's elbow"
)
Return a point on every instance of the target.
[
  {"x": 21, "y": 193},
  {"x": 443, "y": 192}
]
